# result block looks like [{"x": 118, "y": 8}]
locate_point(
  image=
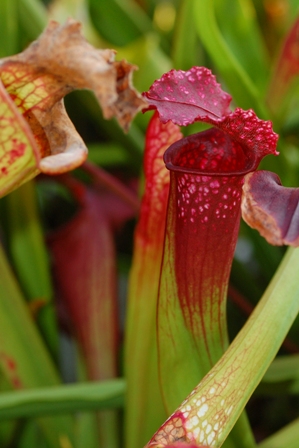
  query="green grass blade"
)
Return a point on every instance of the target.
[
  {"x": 62, "y": 399},
  {"x": 8, "y": 27},
  {"x": 23, "y": 357},
  {"x": 281, "y": 378},
  {"x": 185, "y": 36},
  {"x": 240, "y": 29},
  {"x": 29, "y": 435},
  {"x": 30, "y": 258},
  {"x": 286, "y": 437},
  {"x": 32, "y": 17},
  {"x": 283, "y": 368},
  {"x": 244, "y": 92},
  {"x": 119, "y": 22}
]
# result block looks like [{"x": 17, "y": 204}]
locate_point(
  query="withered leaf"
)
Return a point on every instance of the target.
[{"x": 58, "y": 62}]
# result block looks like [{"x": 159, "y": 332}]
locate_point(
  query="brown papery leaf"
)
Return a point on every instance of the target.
[{"x": 60, "y": 61}]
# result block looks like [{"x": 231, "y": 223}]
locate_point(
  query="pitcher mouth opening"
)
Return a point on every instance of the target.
[{"x": 210, "y": 153}]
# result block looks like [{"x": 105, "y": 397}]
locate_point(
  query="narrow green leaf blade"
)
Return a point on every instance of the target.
[
  {"x": 23, "y": 357},
  {"x": 286, "y": 437},
  {"x": 244, "y": 91},
  {"x": 30, "y": 258},
  {"x": 240, "y": 29},
  {"x": 118, "y": 22},
  {"x": 8, "y": 27},
  {"x": 62, "y": 399},
  {"x": 185, "y": 36},
  {"x": 33, "y": 17}
]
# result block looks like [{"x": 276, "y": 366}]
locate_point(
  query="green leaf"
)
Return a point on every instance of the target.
[
  {"x": 243, "y": 90},
  {"x": 30, "y": 258},
  {"x": 23, "y": 357},
  {"x": 286, "y": 437},
  {"x": 282, "y": 377},
  {"x": 283, "y": 368},
  {"x": 27, "y": 244},
  {"x": 87, "y": 430},
  {"x": 33, "y": 17},
  {"x": 185, "y": 36},
  {"x": 9, "y": 27},
  {"x": 240, "y": 29},
  {"x": 119, "y": 22},
  {"x": 108, "y": 154},
  {"x": 29, "y": 435},
  {"x": 62, "y": 399}
]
